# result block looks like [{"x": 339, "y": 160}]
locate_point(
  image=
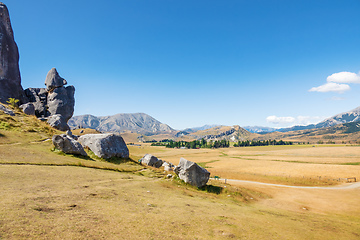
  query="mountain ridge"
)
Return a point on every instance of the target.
[{"x": 136, "y": 122}]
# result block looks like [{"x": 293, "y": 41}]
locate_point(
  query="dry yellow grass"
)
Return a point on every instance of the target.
[
  {"x": 297, "y": 165},
  {"x": 46, "y": 195},
  {"x": 79, "y": 203}
]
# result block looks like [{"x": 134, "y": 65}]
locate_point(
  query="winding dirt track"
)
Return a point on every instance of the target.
[{"x": 344, "y": 186}]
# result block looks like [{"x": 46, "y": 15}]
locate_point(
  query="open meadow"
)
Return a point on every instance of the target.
[{"x": 50, "y": 195}]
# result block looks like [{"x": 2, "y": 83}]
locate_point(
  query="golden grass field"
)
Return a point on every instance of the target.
[
  {"x": 297, "y": 164},
  {"x": 49, "y": 195}
]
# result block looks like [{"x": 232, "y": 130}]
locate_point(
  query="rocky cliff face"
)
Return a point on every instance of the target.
[
  {"x": 136, "y": 122},
  {"x": 10, "y": 80},
  {"x": 54, "y": 101}
]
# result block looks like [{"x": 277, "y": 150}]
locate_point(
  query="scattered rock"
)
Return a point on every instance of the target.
[
  {"x": 28, "y": 108},
  {"x": 167, "y": 166},
  {"x": 105, "y": 145},
  {"x": 10, "y": 80},
  {"x": 68, "y": 145},
  {"x": 57, "y": 121},
  {"x": 151, "y": 160},
  {"x": 169, "y": 176},
  {"x": 192, "y": 173},
  {"x": 6, "y": 110}
]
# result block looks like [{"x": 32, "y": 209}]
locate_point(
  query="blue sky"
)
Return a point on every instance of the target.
[{"x": 194, "y": 62}]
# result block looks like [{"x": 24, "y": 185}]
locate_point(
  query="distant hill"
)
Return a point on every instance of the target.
[
  {"x": 259, "y": 129},
  {"x": 136, "y": 122},
  {"x": 346, "y": 117},
  {"x": 195, "y": 129},
  {"x": 339, "y": 133},
  {"x": 229, "y": 133}
]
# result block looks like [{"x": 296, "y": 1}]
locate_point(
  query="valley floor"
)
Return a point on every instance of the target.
[
  {"x": 48, "y": 195},
  {"x": 67, "y": 202}
]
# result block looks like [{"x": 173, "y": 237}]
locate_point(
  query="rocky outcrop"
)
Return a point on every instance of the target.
[
  {"x": 38, "y": 97},
  {"x": 192, "y": 173},
  {"x": 28, "y": 108},
  {"x": 53, "y": 80},
  {"x": 105, "y": 145},
  {"x": 53, "y": 100},
  {"x": 58, "y": 121},
  {"x": 68, "y": 145},
  {"x": 10, "y": 80},
  {"x": 151, "y": 161}
]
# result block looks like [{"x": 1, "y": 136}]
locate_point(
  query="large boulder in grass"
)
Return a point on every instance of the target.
[
  {"x": 192, "y": 173},
  {"x": 151, "y": 161},
  {"x": 105, "y": 145},
  {"x": 68, "y": 145}
]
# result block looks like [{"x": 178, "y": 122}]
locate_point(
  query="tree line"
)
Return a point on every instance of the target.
[
  {"x": 248, "y": 143},
  {"x": 217, "y": 144},
  {"x": 194, "y": 144}
]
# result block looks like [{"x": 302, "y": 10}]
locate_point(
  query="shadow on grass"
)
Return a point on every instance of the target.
[
  {"x": 59, "y": 152},
  {"x": 212, "y": 189},
  {"x": 117, "y": 160}
]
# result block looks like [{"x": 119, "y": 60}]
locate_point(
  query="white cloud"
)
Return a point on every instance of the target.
[
  {"x": 292, "y": 121},
  {"x": 335, "y": 82},
  {"x": 331, "y": 87},
  {"x": 344, "y": 77},
  {"x": 279, "y": 120}
]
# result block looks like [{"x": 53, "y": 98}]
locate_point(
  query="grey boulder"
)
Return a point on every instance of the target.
[
  {"x": 28, "y": 108},
  {"x": 6, "y": 110},
  {"x": 53, "y": 80},
  {"x": 68, "y": 145},
  {"x": 57, "y": 121},
  {"x": 192, "y": 173},
  {"x": 105, "y": 145},
  {"x": 61, "y": 101},
  {"x": 151, "y": 161},
  {"x": 167, "y": 166},
  {"x": 38, "y": 97}
]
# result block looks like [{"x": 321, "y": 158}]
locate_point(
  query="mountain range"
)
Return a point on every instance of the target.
[
  {"x": 135, "y": 122},
  {"x": 143, "y": 124}
]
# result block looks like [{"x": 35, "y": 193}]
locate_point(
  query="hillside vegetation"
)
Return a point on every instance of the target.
[{"x": 50, "y": 195}]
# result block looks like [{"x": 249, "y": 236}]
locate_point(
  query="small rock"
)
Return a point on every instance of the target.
[
  {"x": 6, "y": 110},
  {"x": 151, "y": 160}
]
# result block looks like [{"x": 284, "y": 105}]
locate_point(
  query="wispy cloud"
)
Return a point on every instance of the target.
[
  {"x": 335, "y": 98},
  {"x": 336, "y": 82},
  {"x": 291, "y": 121},
  {"x": 331, "y": 87},
  {"x": 279, "y": 120}
]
